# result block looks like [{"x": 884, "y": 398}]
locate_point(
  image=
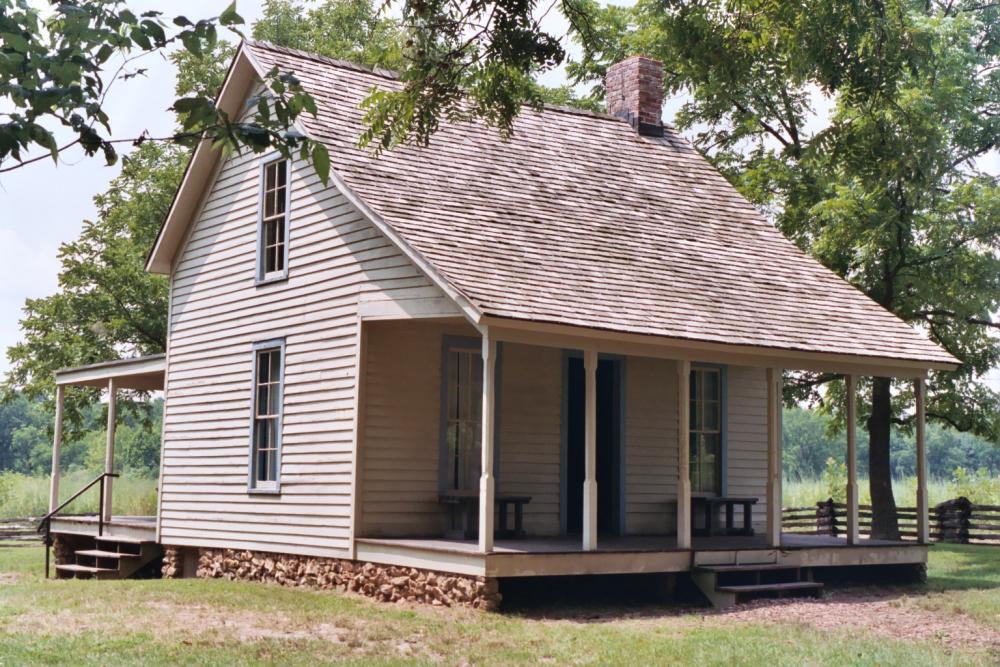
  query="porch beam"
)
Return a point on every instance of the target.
[
  {"x": 109, "y": 455},
  {"x": 852, "y": 461},
  {"x": 923, "y": 521},
  {"x": 590, "y": 451},
  {"x": 683, "y": 455},
  {"x": 56, "y": 448},
  {"x": 487, "y": 483},
  {"x": 774, "y": 457}
]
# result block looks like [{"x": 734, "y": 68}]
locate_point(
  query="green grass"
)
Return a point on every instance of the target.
[
  {"x": 231, "y": 623},
  {"x": 801, "y": 493},
  {"x": 26, "y": 495}
]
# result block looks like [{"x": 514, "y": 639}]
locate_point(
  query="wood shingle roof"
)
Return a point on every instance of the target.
[{"x": 578, "y": 220}]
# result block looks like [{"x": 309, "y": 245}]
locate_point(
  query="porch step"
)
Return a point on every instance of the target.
[
  {"x": 771, "y": 588},
  {"x": 123, "y": 540},
  {"x": 76, "y": 570},
  {"x": 98, "y": 553},
  {"x": 111, "y": 557},
  {"x": 727, "y": 584},
  {"x": 747, "y": 567}
]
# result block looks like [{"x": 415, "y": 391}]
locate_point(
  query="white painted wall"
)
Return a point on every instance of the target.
[{"x": 217, "y": 314}]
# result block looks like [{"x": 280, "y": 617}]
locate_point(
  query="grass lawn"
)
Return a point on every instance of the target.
[{"x": 219, "y": 622}]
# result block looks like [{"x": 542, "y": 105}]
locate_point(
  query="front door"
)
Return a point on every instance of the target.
[{"x": 609, "y": 418}]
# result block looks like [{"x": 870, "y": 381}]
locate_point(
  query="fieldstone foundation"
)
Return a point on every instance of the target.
[
  {"x": 173, "y": 563},
  {"x": 386, "y": 583}
]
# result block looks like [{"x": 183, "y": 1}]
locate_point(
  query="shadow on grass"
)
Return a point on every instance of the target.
[{"x": 598, "y": 599}]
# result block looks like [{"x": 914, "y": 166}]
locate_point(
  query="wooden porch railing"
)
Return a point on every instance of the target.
[{"x": 958, "y": 521}]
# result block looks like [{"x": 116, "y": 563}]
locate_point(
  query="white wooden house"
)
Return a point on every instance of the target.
[{"x": 588, "y": 317}]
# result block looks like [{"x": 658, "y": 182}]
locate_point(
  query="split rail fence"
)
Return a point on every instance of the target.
[{"x": 958, "y": 521}]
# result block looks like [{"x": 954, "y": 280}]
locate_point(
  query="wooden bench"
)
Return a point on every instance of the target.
[
  {"x": 465, "y": 514},
  {"x": 712, "y": 505}
]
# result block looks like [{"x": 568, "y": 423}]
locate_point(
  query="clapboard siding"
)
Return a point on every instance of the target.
[
  {"x": 530, "y": 432},
  {"x": 335, "y": 255},
  {"x": 650, "y": 446},
  {"x": 399, "y": 451},
  {"x": 747, "y": 436}
]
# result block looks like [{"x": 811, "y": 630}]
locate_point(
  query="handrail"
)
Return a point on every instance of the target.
[{"x": 46, "y": 521}]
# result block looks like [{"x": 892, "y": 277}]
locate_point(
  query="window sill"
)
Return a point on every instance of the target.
[
  {"x": 275, "y": 278},
  {"x": 255, "y": 491}
]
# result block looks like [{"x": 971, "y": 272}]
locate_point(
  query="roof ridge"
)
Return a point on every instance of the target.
[{"x": 393, "y": 75}]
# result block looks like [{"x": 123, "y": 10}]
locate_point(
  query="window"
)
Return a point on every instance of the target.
[
  {"x": 463, "y": 425},
  {"x": 272, "y": 243},
  {"x": 706, "y": 442},
  {"x": 265, "y": 453}
]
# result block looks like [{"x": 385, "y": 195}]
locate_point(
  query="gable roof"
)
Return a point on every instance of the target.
[{"x": 580, "y": 221}]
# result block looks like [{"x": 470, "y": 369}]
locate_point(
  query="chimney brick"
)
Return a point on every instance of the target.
[{"x": 635, "y": 92}]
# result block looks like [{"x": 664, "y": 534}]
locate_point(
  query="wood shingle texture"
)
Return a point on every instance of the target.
[{"x": 578, "y": 220}]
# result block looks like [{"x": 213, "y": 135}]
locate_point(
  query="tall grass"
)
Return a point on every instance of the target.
[
  {"x": 982, "y": 490},
  {"x": 24, "y": 495}
]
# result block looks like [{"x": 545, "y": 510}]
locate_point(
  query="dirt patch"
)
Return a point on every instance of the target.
[
  {"x": 897, "y": 618},
  {"x": 7, "y": 578}
]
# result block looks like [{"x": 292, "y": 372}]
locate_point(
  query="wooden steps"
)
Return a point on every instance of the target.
[
  {"x": 771, "y": 588},
  {"x": 86, "y": 571},
  {"x": 98, "y": 553},
  {"x": 110, "y": 557},
  {"x": 728, "y": 584}
]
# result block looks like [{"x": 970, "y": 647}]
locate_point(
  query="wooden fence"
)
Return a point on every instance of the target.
[
  {"x": 958, "y": 520},
  {"x": 22, "y": 530}
]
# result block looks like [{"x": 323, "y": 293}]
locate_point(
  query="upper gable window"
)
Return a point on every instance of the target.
[{"x": 272, "y": 233}]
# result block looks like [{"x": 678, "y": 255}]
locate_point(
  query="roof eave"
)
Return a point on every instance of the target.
[{"x": 668, "y": 347}]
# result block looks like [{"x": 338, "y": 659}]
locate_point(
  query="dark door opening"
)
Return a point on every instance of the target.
[{"x": 608, "y": 446}]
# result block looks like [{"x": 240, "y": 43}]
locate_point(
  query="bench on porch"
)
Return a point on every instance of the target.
[
  {"x": 464, "y": 520},
  {"x": 712, "y": 506}
]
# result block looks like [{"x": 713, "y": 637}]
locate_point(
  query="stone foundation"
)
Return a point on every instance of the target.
[
  {"x": 173, "y": 563},
  {"x": 386, "y": 583}
]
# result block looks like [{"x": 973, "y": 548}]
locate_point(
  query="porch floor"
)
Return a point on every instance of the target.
[
  {"x": 632, "y": 554},
  {"x": 632, "y": 543}
]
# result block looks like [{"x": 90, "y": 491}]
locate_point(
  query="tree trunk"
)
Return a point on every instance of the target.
[{"x": 884, "y": 523}]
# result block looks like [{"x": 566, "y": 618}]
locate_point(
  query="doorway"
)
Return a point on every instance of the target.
[{"x": 609, "y": 445}]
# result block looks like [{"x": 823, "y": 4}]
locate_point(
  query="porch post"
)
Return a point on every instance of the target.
[
  {"x": 683, "y": 455},
  {"x": 774, "y": 457},
  {"x": 487, "y": 483},
  {"x": 590, "y": 452},
  {"x": 109, "y": 456},
  {"x": 923, "y": 521},
  {"x": 852, "y": 462},
  {"x": 56, "y": 447}
]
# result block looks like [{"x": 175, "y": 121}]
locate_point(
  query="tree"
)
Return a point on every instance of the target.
[
  {"x": 349, "y": 30},
  {"x": 107, "y": 306},
  {"x": 54, "y": 71}
]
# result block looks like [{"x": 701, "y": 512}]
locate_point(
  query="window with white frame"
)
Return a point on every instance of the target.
[
  {"x": 463, "y": 418},
  {"x": 272, "y": 253},
  {"x": 265, "y": 464},
  {"x": 706, "y": 430}
]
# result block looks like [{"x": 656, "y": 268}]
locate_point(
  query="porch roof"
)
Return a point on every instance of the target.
[{"x": 139, "y": 373}]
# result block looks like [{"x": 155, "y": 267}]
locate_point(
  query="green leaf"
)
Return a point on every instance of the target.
[
  {"x": 321, "y": 162},
  {"x": 230, "y": 17}
]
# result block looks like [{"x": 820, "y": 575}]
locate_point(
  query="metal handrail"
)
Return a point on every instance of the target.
[{"x": 46, "y": 521}]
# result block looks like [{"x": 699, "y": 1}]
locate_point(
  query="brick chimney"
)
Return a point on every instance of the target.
[{"x": 635, "y": 92}]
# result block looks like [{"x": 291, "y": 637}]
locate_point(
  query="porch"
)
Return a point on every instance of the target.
[
  {"x": 633, "y": 416},
  {"x": 565, "y": 555}
]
